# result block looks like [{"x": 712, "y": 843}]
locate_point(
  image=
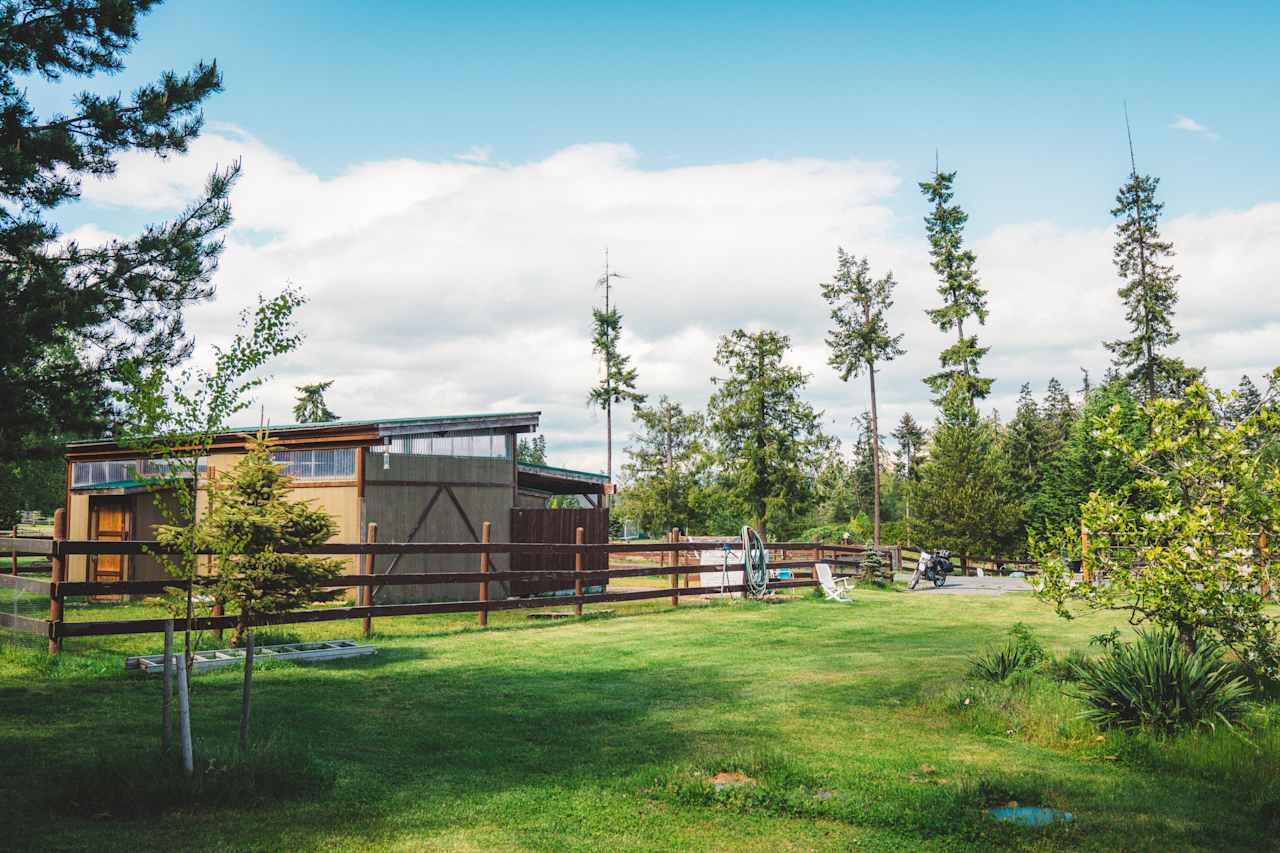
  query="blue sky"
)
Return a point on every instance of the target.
[
  {"x": 442, "y": 180},
  {"x": 1025, "y": 100}
]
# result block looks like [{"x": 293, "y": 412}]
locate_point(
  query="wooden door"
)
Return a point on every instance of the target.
[{"x": 112, "y": 520}]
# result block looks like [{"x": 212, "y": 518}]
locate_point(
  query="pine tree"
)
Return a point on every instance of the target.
[
  {"x": 311, "y": 407},
  {"x": 249, "y": 518},
  {"x": 769, "y": 441},
  {"x": 618, "y": 384},
  {"x": 76, "y": 315},
  {"x": 664, "y": 456},
  {"x": 958, "y": 386},
  {"x": 1150, "y": 292},
  {"x": 859, "y": 339}
]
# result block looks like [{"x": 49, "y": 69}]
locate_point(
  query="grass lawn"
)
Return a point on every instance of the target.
[{"x": 855, "y": 725}]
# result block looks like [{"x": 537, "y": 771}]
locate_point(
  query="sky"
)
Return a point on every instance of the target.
[{"x": 442, "y": 180}]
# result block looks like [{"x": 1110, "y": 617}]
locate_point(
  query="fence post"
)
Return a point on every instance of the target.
[
  {"x": 13, "y": 557},
  {"x": 687, "y": 575},
  {"x": 673, "y": 537},
  {"x": 484, "y": 569},
  {"x": 964, "y": 566},
  {"x": 57, "y": 572},
  {"x": 578, "y": 537},
  {"x": 366, "y": 568}
]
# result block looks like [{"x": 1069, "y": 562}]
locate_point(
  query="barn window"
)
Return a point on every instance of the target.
[
  {"x": 87, "y": 474},
  {"x": 336, "y": 464},
  {"x": 478, "y": 446}
]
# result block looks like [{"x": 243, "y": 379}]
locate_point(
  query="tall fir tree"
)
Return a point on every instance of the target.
[
  {"x": 76, "y": 315},
  {"x": 769, "y": 441},
  {"x": 310, "y": 407},
  {"x": 618, "y": 381},
  {"x": 958, "y": 386},
  {"x": 859, "y": 340},
  {"x": 1149, "y": 291}
]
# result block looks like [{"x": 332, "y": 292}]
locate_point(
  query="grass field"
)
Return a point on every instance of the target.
[{"x": 854, "y": 726}]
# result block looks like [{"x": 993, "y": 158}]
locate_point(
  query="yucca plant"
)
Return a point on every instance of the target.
[
  {"x": 1157, "y": 683},
  {"x": 1022, "y": 651}
]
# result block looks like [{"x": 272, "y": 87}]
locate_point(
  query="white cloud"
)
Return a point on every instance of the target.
[
  {"x": 440, "y": 287},
  {"x": 1181, "y": 122}
]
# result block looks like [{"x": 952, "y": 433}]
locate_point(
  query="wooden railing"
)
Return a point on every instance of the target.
[{"x": 57, "y": 589}]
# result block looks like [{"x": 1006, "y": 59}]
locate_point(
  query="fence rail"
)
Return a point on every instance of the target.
[{"x": 669, "y": 554}]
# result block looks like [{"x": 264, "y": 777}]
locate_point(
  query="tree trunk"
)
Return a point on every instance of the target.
[
  {"x": 608, "y": 439},
  {"x": 875, "y": 457},
  {"x": 246, "y": 695}
]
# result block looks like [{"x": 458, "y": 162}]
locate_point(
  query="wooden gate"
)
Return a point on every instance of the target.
[{"x": 556, "y": 525}]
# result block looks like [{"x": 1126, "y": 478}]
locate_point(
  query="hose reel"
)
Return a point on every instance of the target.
[{"x": 755, "y": 563}]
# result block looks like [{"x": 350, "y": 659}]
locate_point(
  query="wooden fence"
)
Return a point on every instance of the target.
[{"x": 56, "y": 628}]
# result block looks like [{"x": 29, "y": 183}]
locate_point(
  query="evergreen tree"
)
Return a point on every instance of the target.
[
  {"x": 866, "y": 470},
  {"x": 311, "y": 407},
  {"x": 664, "y": 457},
  {"x": 1058, "y": 415},
  {"x": 618, "y": 383},
  {"x": 958, "y": 386},
  {"x": 769, "y": 441},
  {"x": 1150, "y": 292},
  {"x": 960, "y": 503},
  {"x": 1081, "y": 465},
  {"x": 911, "y": 441},
  {"x": 76, "y": 315},
  {"x": 250, "y": 516},
  {"x": 1024, "y": 449},
  {"x": 859, "y": 339},
  {"x": 532, "y": 450}
]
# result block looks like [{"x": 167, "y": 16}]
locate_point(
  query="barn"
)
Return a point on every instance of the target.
[{"x": 425, "y": 479}]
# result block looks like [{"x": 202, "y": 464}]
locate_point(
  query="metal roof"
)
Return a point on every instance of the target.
[
  {"x": 517, "y": 421},
  {"x": 591, "y": 476}
]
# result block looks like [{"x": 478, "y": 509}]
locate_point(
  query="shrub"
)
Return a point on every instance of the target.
[
  {"x": 1156, "y": 683},
  {"x": 1021, "y": 652}
]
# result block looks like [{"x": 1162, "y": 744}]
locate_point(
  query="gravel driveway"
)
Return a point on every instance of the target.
[{"x": 959, "y": 585}]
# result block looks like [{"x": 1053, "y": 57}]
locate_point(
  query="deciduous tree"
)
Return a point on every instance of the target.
[{"x": 1178, "y": 544}]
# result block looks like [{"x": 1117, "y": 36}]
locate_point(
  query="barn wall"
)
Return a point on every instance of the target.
[
  {"x": 398, "y": 489},
  {"x": 77, "y": 565}
]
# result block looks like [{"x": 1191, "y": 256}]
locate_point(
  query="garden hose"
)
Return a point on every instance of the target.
[{"x": 755, "y": 563}]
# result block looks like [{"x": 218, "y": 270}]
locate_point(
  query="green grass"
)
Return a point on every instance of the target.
[{"x": 855, "y": 724}]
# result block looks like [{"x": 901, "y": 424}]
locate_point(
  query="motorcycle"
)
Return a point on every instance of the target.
[{"x": 933, "y": 567}]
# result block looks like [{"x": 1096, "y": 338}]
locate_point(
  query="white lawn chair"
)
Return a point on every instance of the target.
[{"x": 836, "y": 589}]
